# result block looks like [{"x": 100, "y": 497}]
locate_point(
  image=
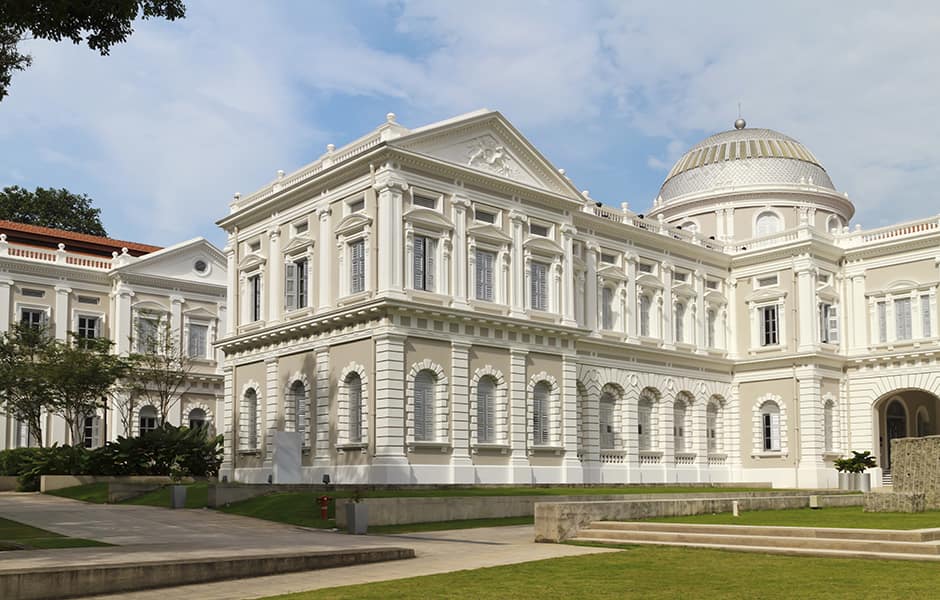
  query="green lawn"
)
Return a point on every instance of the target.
[
  {"x": 196, "y": 496},
  {"x": 92, "y": 492},
  {"x": 661, "y": 572},
  {"x": 849, "y": 516},
  {"x": 18, "y": 536}
]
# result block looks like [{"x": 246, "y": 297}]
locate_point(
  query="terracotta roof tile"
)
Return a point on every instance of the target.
[{"x": 77, "y": 237}]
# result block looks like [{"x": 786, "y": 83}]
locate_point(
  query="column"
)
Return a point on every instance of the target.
[
  {"x": 517, "y": 417},
  {"x": 567, "y": 242},
  {"x": 390, "y": 464},
  {"x": 569, "y": 414},
  {"x": 809, "y": 428},
  {"x": 808, "y": 311},
  {"x": 460, "y": 412},
  {"x": 731, "y": 326},
  {"x": 590, "y": 288},
  {"x": 390, "y": 187},
  {"x": 221, "y": 331},
  {"x": 701, "y": 317},
  {"x": 271, "y": 409},
  {"x": 176, "y": 317},
  {"x": 459, "y": 274},
  {"x": 633, "y": 305},
  {"x": 275, "y": 283},
  {"x": 123, "y": 323},
  {"x": 228, "y": 425},
  {"x": 321, "y": 457},
  {"x": 231, "y": 262},
  {"x": 517, "y": 264},
  {"x": 6, "y": 292},
  {"x": 590, "y": 435},
  {"x": 325, "y": 270},
  {"x": 62, "y": 312},
  {"x": 668, "y": 331}
]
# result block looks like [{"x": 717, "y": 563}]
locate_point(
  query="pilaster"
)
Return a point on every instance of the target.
[
  {"x": 632, "y": 305},
  {"x": 228, "y": 424},
  {"x": 669, "y": 310},
  {"x": 231, "y": 262},
  {"x": 517, "y": 264},
  {"x": 271, "y": 409},
  {"x": 390, "y": 188},
  {"x": 567, "y": 242},
  {"x": 62, "y": 312},
  {"x": 321, "y": 457},
  {"x": 325, "y": 270},
  {"x": 460, "y": 412},
  {"x": 590, "y": 302},
  {"x": 517, "y": 416},
  {"x": 460, "y": 263},
  {"x": 123, "y": 322},
  {"x": 808, "y": 323},
  {"x": 390, "y": 464},
  {"x": 275, "y": 282},
  {"x": 569, "y": 413}
]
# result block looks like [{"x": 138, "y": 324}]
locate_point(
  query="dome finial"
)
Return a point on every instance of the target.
[{"x": 740, "y": 123}]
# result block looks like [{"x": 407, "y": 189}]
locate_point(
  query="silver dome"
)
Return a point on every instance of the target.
[{"x": 743, "y": 157}]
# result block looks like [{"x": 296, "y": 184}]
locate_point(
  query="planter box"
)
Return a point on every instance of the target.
[
  {"x": 177, "y": 496},
  {"x": 357, "y": 518}
]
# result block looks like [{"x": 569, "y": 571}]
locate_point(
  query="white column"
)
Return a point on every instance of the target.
[
  {"x": 390, "y": 188},
  {"x": 569, "y": 400},
  {"x": 62, "y": 324},
  {"x": 517, "y": 264},
  {"x": 275, "y": 283},
  {"x": 459, "y": 271},
  {"x": 731, "y": 324},
  {"x": 390, "y": 464},
  {"x": 701, "y": 316},
  {"x": 669, "y": 311},
  {"x": 123, "y": 323},
  {"x": 271, "y": 409},
  {"x": 231, "y": 263},
  {"x": 176, "y": 317},
  {"x": 321, "y": 457},
  {"x": 228, "y": 425},
  {"x": 6, "y": 305},
  {"x": 859, "y": 314},
  {"x": 460, "y": 412},
  {"x": 590, "y": 288},
  {"x": 568, "y": 316},
  {"x": 517, "y": 417},
  {"x": 325, "y": 244},
  {"x": 808, "y": 311},
  {"x": 631, "y": 314}
]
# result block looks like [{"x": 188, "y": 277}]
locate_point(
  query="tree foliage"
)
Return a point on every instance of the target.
[
  {"x": 100, "y": 24},
  {"x": 59, "y": 209},
  {"x": 23, "y": 376},
  {"x": 161, "y": 366}
]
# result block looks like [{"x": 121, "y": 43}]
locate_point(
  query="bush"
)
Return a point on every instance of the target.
[{"x": 167, "y": 450}]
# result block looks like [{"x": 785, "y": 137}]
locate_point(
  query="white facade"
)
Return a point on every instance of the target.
[
  {"x": 442, "y": 305},
  {"x": 77, "y": 284}
]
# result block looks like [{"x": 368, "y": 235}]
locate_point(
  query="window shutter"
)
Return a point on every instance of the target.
[
  {"x": 301, "y": 266},
  {"x": 418, "y": 262},
  {"x": 290, "y": 286},
  {"x": 540, "y": 414},
  {"x": 358, "y": 267},
  {"x": 882, "y": 322},
  {"x": 485, "y": 411},
  {"x": 430, "y": 250},
  {"x": 775, "y": 431},
  {"x": 484, "y": 274},
  {"x": 925, "y": 316},
  {"x": 902, "y": 311},
  {"x": 354, "y": 394},
  {"x": 833, "y": 323},
  {"x": 423, "y": 406}
]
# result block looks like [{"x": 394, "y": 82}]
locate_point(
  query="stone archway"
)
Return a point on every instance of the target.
[{"x": 901, "y": 414}]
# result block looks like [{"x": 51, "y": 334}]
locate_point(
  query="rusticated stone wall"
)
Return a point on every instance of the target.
[{"x": 915, "y": 471}]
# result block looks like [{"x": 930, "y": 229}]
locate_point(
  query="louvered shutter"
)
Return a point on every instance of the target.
[
  {"x": 774, "y": 431},
  {"x": 902, "y": 311},
  {"x": 607, "y": 320},
  {"x": 418, "y": 262},
  {"x": 358, "y": 267},
  {"x": 925, "y": 316},
  {"x": 540, "y": 414},
  {"x": 486, "y": 431},
  {"x": 301, "y": 283},
  {"x": 882, "y": 322},
  {"x": 354, "y": 393},
  {"x": 832, "y": 323},
  {"x": 430, "y": 250},
  {"x": 484, "y": 274},
  {"x": 424, "y": 406},
  {"x": 606, "y": 423},
  {"x": 290, "y": 286}
]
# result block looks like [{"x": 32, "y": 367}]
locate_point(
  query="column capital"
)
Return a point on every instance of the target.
[
  {"x": 324, "y": 213},
  {"x": 61, "y": 289},
  {"x": 176, "y": 299}
]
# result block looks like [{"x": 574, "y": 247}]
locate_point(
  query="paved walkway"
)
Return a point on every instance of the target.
[{"x": 148, "y": 533}]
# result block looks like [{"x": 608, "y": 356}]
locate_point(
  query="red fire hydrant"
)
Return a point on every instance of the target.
[{"x": 324, "y": 506}]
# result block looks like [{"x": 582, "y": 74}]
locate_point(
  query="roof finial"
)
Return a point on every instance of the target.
[{"x": 740, "y": 123}]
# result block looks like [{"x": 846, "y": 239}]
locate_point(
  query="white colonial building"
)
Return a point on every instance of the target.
[
  {"x": 93, "y": 286},
  {"x": 442, "y": 305}
]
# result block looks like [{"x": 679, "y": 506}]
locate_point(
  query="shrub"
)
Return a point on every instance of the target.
[{"x": 14, "y": 462}]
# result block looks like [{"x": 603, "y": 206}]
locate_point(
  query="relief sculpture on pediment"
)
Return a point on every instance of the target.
[{"x": 487, "y": 154}]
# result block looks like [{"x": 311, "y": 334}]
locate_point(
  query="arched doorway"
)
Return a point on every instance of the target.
[{"x": 895, "y": 427}]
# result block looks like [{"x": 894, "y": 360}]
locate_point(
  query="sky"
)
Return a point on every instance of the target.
[{"x": 163, "y": 131}]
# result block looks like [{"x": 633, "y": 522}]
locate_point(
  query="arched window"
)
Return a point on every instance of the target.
[
  {"x": 249, "y": 416},
  {"x": 486, "y": 410},
  {"x": 645, "y": 303},
  {"x": 424, "y": 405},
  {"x": 354, "y": 397},
  {"x": 296, "y": 412},
  {"x": 540, "y": 416},
  {"x": 607, "y": 308},
  {"x": 711, "y": 425},
  {"x": 833, "y": 224},
  {"x": 645, "y": 422},
  {"x": 608, "y": 407},
  {"x": 680, "y": 322},
  {"x": 91, "y": 431},
  {"x": 679, "y": 423},
  {"x": 770, "y": 426},
  {"x": 197, "y": 418},
  {"x": 690, "y": 226},
  {"x": 767, "y": 223},
  {"x": 147, "y": 419}
]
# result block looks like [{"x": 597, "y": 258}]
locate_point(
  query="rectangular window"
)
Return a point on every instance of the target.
[
  {"x": 88, "y": 327},
  {"x": 485, "y": 262},
  {"x": 90, "y": 432},
  {"x": 425, "y": 202},
  {"x": 33, "y": 317},
  {"x": 645, "y": 316},
  {"x": 925, "y": 316},
  {"x": 829, "y": 323},
  {"x": 295, "y": 284},
  {"x": 608, "y": 439},
  {"x": 254, "y": 289},
  {"x": 711, "y": 426},
  {"x": 769, "y": 281},
  {"x": 711, "y": 284},
  {"x": 644, "y": 424},
  {"x": 89, "y": 300},
  {"x": 538, "y": 279},
  {"x": 424, "y": 251},
  {"x": 882, "y": 308},
  {"x": 680, "y": 276},
  {"x": 680, "y": 323},
  {"x": 607, "y": 308},
  {"x": 711, "y": 317},
  {"x": 148, "y": 335},
  {"x": 301, "y": 227},
  {"x": 902, "y": 316},
  {"x": 769, "y": 334},
  {"x": 540, "y": 230},
  {"x": 198, "y": 340},
  {"x": 771, "y": 424},
  {"x": 31, "y": 293},
  {"x": 484, "y": 217},
  {"x": 646, "y": 268},
  {"x": 609, "y": 259},
  {"x": 357, "y": 206},
  {"x": 357, "y": 266}
]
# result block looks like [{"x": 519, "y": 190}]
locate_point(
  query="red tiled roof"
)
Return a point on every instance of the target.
[{"x": 80, "y": 238}]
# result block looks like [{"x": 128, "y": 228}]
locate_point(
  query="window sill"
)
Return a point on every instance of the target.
[
  {"x": 253, "y": 326},
  {"x": 554, "y": 450},
  {"x": 488, "y": 306},
  {"x": 831, "y": 455},
  {"x": 415, "y": 445},
  {"x": 542, "y": 315},
  {"x": 686, "y": 455},
  {"x": 650, "y": 341},
  {"x": 489, "y": 448},
  {"x": 297, "y": 313},
  {"x": 249, "y": 452},
  {"x": 429, "y": 296},
  {"x": 769, "y": 454},
  {"x": 353, "y": 298},
  {"x": 717, "y": 456},
  {"x": 765, "y": 349},
  {"x": 685, "y": 346},
  {"x": 352, "y": 447},
  {"x": 613, "y": 452}
]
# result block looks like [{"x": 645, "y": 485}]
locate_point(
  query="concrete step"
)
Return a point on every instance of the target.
[
  {"x": 889, "y": 535},
  {"x": 763, "y": 540},
  {"x": 775, "y": 550}
]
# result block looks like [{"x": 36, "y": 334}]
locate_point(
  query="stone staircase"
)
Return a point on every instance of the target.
[{"x": 919, "y": 544}]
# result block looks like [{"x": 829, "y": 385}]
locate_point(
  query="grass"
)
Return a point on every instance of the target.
[
  {"x": 18, "y": 536},
  {"x": 197, "y": 496},
  {"x": 850, "y": 516},
  {"x": 296, "y": 508},
  {"x": 92, "y": 492},
  {"x": 662, "y": 572}
]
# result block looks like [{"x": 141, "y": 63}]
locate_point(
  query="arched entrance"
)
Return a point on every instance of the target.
[{"x": 904, "y": 413}]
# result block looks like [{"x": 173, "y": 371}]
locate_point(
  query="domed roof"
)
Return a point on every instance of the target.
[{"x": 743, "y": 157}]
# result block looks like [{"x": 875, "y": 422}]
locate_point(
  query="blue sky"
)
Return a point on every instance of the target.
[{"x": 163, "y": 131}]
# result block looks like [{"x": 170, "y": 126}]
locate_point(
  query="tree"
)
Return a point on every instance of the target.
[
  {"x": 99, "y": 24},
  {"x": 81, "y": 376},
  {"x": 161, "y": 368},
  {"x": 24, "y": 386},
  {"x": 59, "y": 209}
]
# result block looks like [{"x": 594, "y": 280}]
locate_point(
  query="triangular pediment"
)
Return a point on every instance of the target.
[
  {"x": 352, "y": 223},
  {"x": 300, "y": 242},
  {"x": 428, "y": 218},
  {"x": 542, "y": 246},
  {"x": 195, "y": 260},
  {"x": 250, "y": 261},
  {"x": 683, "y": 289},
  {"x": 612, "y": 272},
  {"x": 648, "y": 281},
  {"x": 489, "y": 233},
  {"x": 487, "y": 142}
]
